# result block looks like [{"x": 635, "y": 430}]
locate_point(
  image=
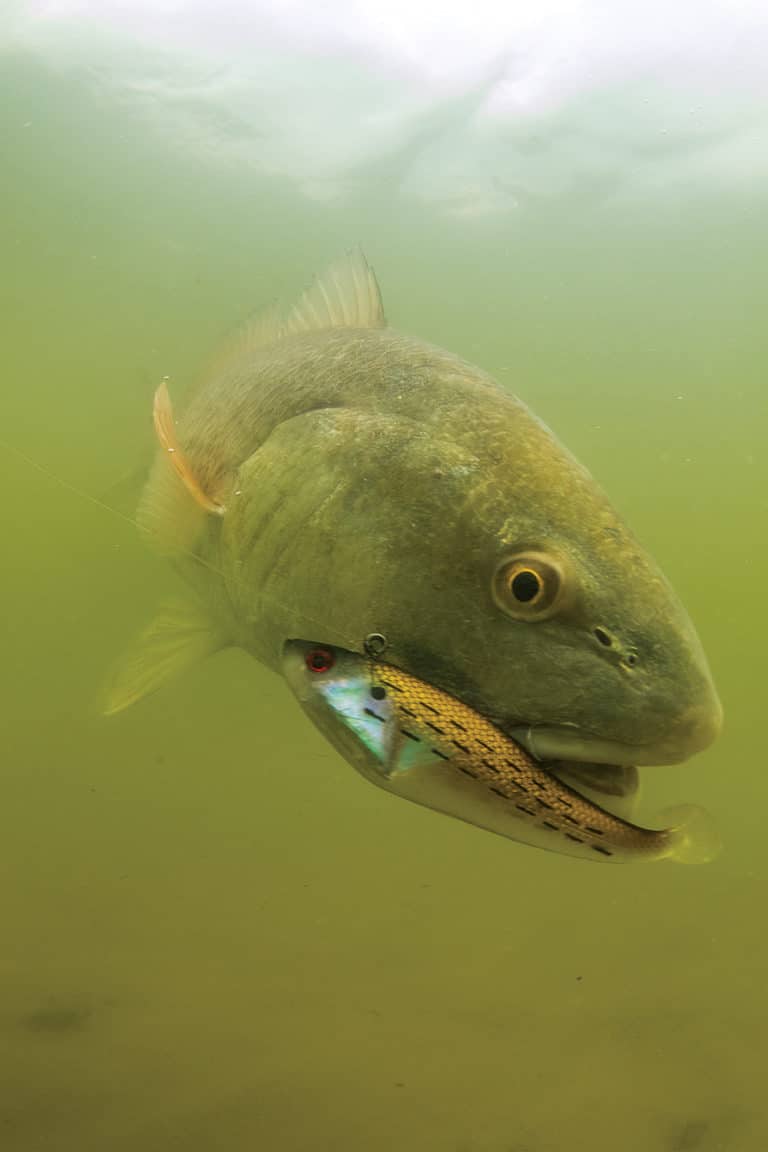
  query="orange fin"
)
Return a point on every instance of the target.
[{"x": 166, "y": 434}]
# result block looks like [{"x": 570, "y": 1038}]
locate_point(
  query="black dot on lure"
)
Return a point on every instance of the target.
[{"x": 378, "y": 692}]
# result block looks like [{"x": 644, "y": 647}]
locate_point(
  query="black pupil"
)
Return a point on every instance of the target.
[
  {"x": 526, "y": 587},
  {"x": 320, "y": 661},
  {"x": 378, "y": 692}
]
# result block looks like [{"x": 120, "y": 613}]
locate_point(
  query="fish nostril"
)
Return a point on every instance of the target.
[{"x": 627, "y": 658}]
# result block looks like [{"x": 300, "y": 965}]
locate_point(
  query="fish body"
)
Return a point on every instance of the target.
[
  {"x": 412, "y": 739},
  {"x": 331, "y": 477}
]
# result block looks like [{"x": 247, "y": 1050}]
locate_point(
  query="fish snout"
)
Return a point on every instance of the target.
[
  {"x": 660, "y": 731},
  {"x": 681, "y": 723},
  {"x": 697, "y": 726}
]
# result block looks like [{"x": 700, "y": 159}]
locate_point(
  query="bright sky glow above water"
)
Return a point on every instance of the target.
[{"x": 460, "y": 91}]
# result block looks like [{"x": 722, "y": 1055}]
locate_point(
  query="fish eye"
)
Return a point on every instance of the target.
[
  {"x": 319, "y": 659},
  {"x": 528, "y": 586}
]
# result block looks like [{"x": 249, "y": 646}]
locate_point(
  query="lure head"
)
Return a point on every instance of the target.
[
  {"x": 341, "y": 693},
  {"x": 338, "y": 692},
  {"x": 331, "y": 685}
]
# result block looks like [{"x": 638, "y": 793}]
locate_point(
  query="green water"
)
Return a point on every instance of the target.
[{"x": 215, "y": 935}]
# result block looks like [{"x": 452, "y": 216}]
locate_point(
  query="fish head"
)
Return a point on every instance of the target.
[
  {"x": 492, "y": 564},
  {"x": 593, "y": 657},
  {"x": 555, "y": 623}
]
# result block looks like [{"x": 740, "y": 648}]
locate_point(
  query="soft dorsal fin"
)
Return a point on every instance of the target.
[{"x": 347, "y": 295}]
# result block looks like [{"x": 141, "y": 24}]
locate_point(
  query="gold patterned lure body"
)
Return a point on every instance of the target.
[{"x": 419, "y": 742}]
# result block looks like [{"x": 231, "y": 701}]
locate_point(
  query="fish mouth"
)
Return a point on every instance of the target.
[
  {"x": 604, "y": 771},
  {"x": 567, "y": 745},
  {"x": 690, "y": 731},
  {"x": 572, "y": 744}
]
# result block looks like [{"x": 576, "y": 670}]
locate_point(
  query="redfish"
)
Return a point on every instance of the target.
[{"x": 331, "y": 477}]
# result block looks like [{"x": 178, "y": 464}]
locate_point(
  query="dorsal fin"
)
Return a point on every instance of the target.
[
  {"x": 347, "y": 295},
  {"x": 240, "y": 348}
]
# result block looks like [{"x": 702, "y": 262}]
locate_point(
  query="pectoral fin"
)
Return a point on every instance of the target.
[
  {"x": 166, "y": 435},
  {"x": 180, "y": 635},
  {"x": 175, "y": 507}
]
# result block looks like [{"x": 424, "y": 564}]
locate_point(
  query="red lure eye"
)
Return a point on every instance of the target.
[{"x": 319, "y": 659}]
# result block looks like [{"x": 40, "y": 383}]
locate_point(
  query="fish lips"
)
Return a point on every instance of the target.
[
  {"x": 600, "y": 770},
  {"x": 572, "y": 745},
  {"x": 566, "y": 745},
  {"x": 688, "y": 730}
]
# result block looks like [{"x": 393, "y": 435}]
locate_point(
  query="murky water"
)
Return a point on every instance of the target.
[{"x": 214, "y": 934}]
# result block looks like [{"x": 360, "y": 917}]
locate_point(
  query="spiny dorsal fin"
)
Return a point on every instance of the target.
[
  {"x": 240, "y": 349},
  {"x": 181, "y": 635},
  {"x": 347, "y": 295}
]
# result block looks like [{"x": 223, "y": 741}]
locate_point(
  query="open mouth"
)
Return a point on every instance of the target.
[
  {"x": 603, "y": 770},
  {"x": 571, "y": 744},
  {"x": 686, "y": 732}
]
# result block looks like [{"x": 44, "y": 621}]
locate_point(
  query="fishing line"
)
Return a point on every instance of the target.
[
  {"x": 41, "y": 468},
  {"x": 104, "y": 507}
]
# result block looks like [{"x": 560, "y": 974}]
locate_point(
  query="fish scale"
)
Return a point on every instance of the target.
[{"x": 457, "y": 733}]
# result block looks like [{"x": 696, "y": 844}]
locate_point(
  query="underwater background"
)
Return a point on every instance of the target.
[{"x": 215, "y": 935}]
